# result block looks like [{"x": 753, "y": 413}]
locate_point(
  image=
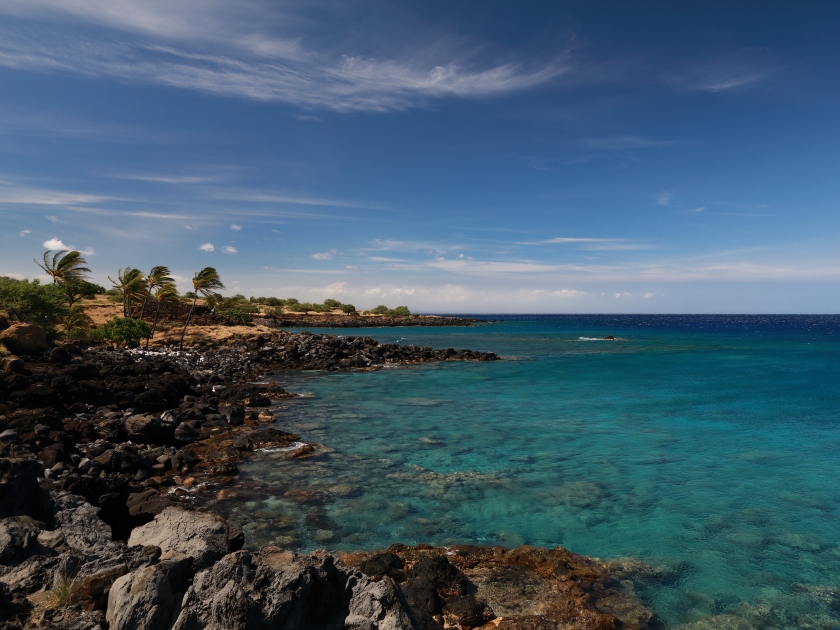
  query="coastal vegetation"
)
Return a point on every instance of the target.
[
  {"x": 150, "y": 302},
  {"x": 206, "y": 283}
]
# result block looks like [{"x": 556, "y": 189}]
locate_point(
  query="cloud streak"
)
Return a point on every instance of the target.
[{"x": 193, "y": 47}]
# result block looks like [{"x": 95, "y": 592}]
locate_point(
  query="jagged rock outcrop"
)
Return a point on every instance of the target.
[{"x": 274, "y": 588}]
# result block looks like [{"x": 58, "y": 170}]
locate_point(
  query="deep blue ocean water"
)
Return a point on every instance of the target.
[{"x": 705, "y": 446}]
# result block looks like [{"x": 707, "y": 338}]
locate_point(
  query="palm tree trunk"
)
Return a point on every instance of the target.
[
  {"x": 154, "y": 326},
  {"x": 143, "y": 310},
  {"x": 186, "y": 323}
]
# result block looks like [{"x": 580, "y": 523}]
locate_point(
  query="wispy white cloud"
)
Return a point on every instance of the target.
[
  {"x": 664, "y": 198},
  {"x": 163, "y": 179},
  {"x": 695, "y": 210},
  {"x": 736, "y": 70},
  {"x": 11, "y": 193},
  {"x": 228, "y": 249},
  {"x": 204, "y": 47},
  {"x": 592, "y": 244},
  {"x": 328, "y": 255},
  {"x": 53, "y": 219},
  {"x": 24, "y": 232},
  {"x": 235, "y": 228},
  {"x": 206, "y": 247}
]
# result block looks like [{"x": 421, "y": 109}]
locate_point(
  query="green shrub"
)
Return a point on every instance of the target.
[
  {"x": 237, "y": 315},
  {"x": 78, "y": 289},
  {"x": 268, "y": 301},
  {"x": 123, "y": 331},
  {"x": 32, "y": 302},
  {"x": 400, "y": 311},
  {"x": 305, "y": 307},
  {"x": 348, "y": 308},
  {"x": 332, "y": 303}
]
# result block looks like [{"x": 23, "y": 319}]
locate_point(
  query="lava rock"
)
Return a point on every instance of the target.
[
  {"x": 467, "y": 611},
  {"x": 382, "y": 564},
  {"x": 439, "y": 571},
  {"x": 421, "y": 594}
]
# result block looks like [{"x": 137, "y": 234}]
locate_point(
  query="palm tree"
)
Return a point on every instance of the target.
[
  {"x": 158, "y": 276},
  {"x": 205, "y": 283},
  {"x": 165, "y": 293},
  {"x": 65, "y": 266},
  {"x": 133, "y": 286}
]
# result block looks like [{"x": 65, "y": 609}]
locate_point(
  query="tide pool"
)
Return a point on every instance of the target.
[{"x": 707, "y": 447}]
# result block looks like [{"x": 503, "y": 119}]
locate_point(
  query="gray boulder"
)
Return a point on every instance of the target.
[
  {"x": 18, "y": 539},
  {"x": 81, "y": 526},
  {"x": 29, "y": 576},
  {"x": 140, "y": 600},
  {"x": 274, "y": 588},
  {"x": 204, "y": 537}
]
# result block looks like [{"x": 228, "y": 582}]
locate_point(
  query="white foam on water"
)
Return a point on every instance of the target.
[{"x": 282, "y": 449}]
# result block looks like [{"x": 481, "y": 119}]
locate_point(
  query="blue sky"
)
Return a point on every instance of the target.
[{"x": 455, "y": 157}]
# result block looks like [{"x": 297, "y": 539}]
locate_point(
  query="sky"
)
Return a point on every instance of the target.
[{"x": 454, "y": 157}]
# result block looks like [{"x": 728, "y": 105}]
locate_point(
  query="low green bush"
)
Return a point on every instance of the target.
[
  {"x": 400, "y": 311},
  {"x": 32, "y": 302},
  {"x": 123, "y": 331}
]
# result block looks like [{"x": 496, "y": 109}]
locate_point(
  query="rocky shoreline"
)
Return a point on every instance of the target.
[
  {"x": 341, "y": 321},
  {"x": 98, "y": 446}
]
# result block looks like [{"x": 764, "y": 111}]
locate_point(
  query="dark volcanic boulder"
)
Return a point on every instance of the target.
[
  {"x": 19, "y": 491},
  {"x": 145, "y": 429},
  {"x": 382, "y": 564},
  {"x": 468, "y": 611},
  {"x": 60, "y": 356},
  {"x": 421, "y": 594},
  {"x": 439, "y": 571}
]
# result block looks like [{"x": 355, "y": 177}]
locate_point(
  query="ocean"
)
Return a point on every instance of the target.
[{"x": 708, "y": 447}]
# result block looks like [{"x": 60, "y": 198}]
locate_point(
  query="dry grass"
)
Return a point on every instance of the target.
[
  {"x": 100, "y": 309},
  {"x": 206, "y": 335}
]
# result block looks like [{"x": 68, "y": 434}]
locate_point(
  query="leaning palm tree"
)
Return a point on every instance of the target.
[
  {"x": 65, "y": 266},
  {"x": 205, "y": 283},
  {"x": 158, "y": 276},
  {"x": 132, "y": 284},
  {"x": 164, "y": 294}
]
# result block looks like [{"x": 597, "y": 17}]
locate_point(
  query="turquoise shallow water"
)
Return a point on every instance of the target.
[{"x": 706, "y": 446}]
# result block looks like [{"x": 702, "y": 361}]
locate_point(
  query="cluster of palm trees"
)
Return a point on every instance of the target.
[{"x": 157, "y": 287}]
